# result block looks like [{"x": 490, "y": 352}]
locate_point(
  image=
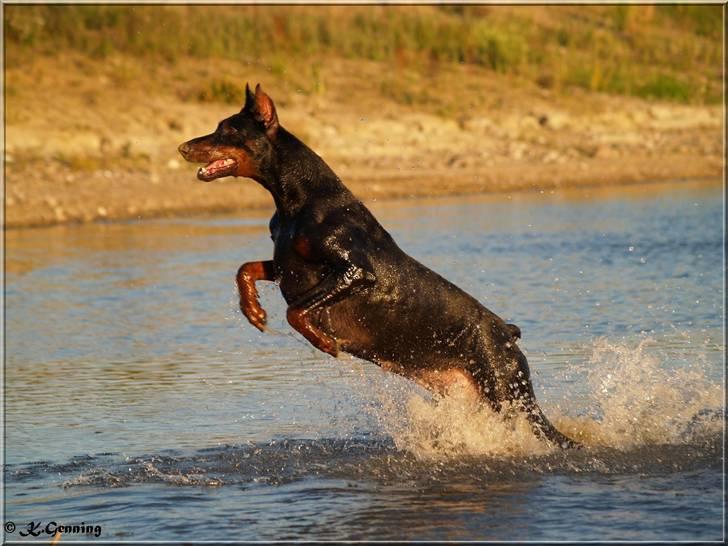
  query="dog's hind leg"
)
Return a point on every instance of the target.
[
  {"x": 248, "y": 274},
  {"x": 505, "y": 377},
  {"x": 540, "y": 424}
]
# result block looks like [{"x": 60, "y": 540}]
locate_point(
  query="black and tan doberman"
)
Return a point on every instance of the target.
[{"x": 348, "y": 286}]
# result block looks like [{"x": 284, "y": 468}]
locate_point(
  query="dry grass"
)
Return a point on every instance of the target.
[{"x": 663, "y": 52}]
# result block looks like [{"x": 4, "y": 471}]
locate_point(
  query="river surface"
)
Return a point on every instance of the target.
[{"x": 140, "y": 404}]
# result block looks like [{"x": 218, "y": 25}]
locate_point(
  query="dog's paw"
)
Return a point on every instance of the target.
[
  {"x": 330, "y": 345},
  {"x": 325, "y": 343},
  {"x": 255, "y": 314}
]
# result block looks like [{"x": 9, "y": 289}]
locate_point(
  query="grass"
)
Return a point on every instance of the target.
[
  {"x": 667, "y": 52},
  {"x": 221, "y": 90},
  {"x": 665, "y": 86},
  {"x": 123, "y": 159}
]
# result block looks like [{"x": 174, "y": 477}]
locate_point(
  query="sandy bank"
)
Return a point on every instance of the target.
[{"x": 106, "y": 149}]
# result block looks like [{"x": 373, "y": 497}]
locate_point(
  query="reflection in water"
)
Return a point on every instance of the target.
[
  {"x": 29, "y": 249},
  {"x": 134, "y": 385}
]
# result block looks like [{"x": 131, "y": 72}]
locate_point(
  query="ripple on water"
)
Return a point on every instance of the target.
[
  {"x": 290, "y": 460},
  {"x": 126, "y": 340}
]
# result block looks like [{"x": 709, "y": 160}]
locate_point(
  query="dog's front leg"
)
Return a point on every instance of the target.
[
  {"x": 336, "y": 286},
  {"x": 248, "y": 274}
]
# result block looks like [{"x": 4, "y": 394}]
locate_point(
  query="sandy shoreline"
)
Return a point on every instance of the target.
[
  {"x": 109, "y": 152},
  {"x": 107, "y": 196}
]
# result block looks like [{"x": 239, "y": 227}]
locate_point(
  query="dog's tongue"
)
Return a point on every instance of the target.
[{"x": 215, "y": 167}]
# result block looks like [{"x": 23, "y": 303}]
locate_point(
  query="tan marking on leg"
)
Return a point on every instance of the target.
[
  {"x": 301, "y": 322},
  {"x": 246, "y": 278}
]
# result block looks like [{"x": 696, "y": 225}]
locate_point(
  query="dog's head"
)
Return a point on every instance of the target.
[{"x": 241, "y": 145}]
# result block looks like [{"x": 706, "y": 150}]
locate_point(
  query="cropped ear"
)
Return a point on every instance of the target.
[
  {"x": 249, "y": 99},
  {"x": 265, "y": 112}
]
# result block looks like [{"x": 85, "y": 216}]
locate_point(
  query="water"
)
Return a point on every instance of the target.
[{"x": 138, "y": 400}]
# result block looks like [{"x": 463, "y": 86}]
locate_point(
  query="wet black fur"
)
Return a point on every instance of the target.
[{"x": 379, "y": 303}]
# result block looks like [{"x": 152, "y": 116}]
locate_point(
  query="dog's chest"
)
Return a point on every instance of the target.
[
  {"x": 290, "y": 243},
  {"x": 294, "y": 257}
]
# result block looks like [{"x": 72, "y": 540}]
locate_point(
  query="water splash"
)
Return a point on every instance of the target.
[
  {"x": 643, "y": 414},
  {"x": 453, "y": 426},
  {"x": 634, "y": 398},
  {"x": 638, "y": 399}
]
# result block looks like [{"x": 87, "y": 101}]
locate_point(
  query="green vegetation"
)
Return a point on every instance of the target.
[
  {"x": 668, "y": 52},
  {"x": 221, "y": 90}
]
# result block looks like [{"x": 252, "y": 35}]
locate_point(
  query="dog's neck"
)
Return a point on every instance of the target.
[{"x": 298, "y": 175}]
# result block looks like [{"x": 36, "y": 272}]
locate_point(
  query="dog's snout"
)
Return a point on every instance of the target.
[{"x": 184, "y": 149}]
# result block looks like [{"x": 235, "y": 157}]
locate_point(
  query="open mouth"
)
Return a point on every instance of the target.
[{"x": 217, "y": 169}]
